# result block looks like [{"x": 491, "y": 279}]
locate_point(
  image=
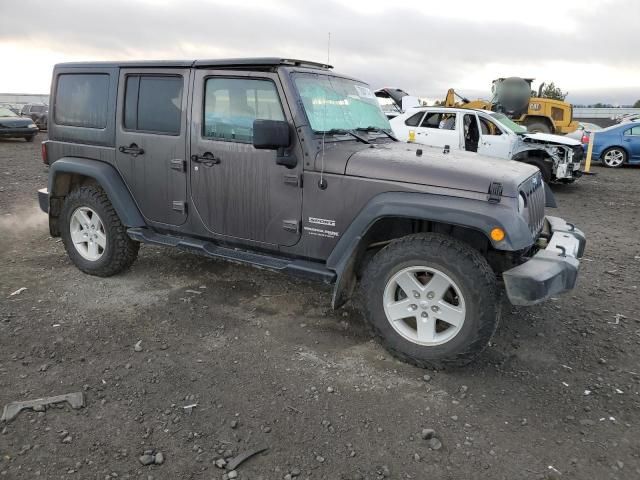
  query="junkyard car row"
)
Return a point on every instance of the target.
[{"x": 421, "y": 238}]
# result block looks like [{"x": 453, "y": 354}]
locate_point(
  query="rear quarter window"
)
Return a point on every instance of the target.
[{"x": 82, "y": 100}]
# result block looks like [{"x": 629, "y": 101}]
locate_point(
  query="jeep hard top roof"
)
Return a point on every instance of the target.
[{"x": 243, "y": 63}]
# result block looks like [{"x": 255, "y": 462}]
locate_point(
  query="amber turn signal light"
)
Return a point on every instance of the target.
[{"x": 497, "y": 234}]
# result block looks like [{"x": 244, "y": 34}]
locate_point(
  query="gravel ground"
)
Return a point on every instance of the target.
[{"x": 269, "y": 364}]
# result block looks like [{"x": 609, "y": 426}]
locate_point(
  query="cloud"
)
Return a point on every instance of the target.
[{"x": 412, "y": 45}]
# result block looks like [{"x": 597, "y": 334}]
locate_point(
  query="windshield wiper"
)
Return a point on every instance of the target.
[
  {"x": 376, "y": 129},
  {"x": 342, "y": 131}
]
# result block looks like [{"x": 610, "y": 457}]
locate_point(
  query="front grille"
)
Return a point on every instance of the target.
[{"x": 533, "y": 191}]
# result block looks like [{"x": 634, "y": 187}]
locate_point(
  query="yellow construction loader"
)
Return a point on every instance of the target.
[{"x": 513, "y": 97}]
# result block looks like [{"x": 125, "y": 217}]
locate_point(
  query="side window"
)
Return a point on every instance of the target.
[
  {"x": 82, "y": 100},
  {"x": 431, "y": 120},
  {"x": 440, "y": 120},
  {"x": 232, "y": 104},
  {"x": 488, "y": 127},
  {"x": 153, "y": 103},
  {"x": 632, "y": 131},
  {"x": 414, "y": 120}
]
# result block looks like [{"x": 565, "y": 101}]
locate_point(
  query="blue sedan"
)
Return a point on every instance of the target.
[{"x": 617, "y": 145}]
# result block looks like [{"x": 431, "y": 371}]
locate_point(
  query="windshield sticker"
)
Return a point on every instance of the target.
[{"x": 364, "y": 92}]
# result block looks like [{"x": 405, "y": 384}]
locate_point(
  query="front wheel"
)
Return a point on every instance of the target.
[
  {"x": 95, "y": 239},
  {"x": 30, "y": 138},
  {"x": 432, "y": 300},
  {"x": 614, "y": 157}
]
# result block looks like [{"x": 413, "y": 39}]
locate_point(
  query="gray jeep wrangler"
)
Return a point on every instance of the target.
[{"x": 285, "y": 165}]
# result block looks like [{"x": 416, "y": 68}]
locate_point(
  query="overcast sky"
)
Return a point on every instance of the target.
[{"x": 588, "y": 47}]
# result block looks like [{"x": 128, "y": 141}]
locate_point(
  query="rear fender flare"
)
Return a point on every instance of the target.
[{"x": 107, "y": 177}]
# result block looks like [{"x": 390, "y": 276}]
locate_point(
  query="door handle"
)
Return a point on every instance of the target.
[
  {"x": 132, "y": 149},
  {"x": 627, "y": 139},
  {"x": 208, "y": 159}
]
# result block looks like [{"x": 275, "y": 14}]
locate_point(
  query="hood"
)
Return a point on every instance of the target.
[
  {"x": 468, "y": 171},
  {"x": 15, "y": 122},
  {"x": 550, "y": 138}
]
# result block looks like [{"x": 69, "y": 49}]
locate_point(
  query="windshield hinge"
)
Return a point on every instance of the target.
[{"x": 495, "y": 192}]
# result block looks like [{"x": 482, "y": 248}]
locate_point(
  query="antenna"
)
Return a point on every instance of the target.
[{"x": 329, "y": 48}]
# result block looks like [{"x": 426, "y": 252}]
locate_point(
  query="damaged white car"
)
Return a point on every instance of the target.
[{"x": 492, "y": 134}]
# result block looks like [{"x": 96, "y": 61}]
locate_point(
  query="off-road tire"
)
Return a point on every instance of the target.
[
  {"x": 544, "y": 167},
  {"x": 538, "y": 127},
  {"x": 120, "y": 251},
  {"x": 30, "y": 138},
  {"x": 465, "y": 266}
]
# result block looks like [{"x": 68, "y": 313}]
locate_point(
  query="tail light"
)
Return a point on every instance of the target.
[
  {"x": 43, "y": 152},
  {"x": 585, "y": 138}
]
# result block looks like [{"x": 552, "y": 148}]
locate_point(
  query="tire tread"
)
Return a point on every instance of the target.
[
  {"x": 435, "y": 242},
  {"x": 124, "y": 250}
]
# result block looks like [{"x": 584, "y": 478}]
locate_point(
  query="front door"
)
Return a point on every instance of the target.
[
  {"x": 238, "y": 191},
  {"x": 493, "y": 141},
  {"x": 151, "y": 141}
]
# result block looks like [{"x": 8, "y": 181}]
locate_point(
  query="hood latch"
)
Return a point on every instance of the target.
[{"x": 495, "y": 192}]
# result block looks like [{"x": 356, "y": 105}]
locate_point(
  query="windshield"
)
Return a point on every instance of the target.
[
  {"x": 508, "y": 123},
  {"x": 334, "y": 103},
  {"x": 5, "y": 112}
]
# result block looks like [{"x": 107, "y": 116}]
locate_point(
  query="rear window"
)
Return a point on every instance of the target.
[
  {"x": 82, "y": 100},
  {"x": 153, "y": 104}
]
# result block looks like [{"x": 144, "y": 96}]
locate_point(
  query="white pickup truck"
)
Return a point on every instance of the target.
[{"x": 492, "y": 134}]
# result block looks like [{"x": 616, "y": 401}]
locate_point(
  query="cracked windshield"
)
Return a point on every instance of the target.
[{"x": 336, "y": 104}]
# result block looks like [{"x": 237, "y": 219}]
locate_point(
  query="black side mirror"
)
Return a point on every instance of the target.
[{"x": 271, "y": 134}]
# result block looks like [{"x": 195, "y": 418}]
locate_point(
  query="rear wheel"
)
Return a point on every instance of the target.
[
  {"x": 95, "y": 239},
  {"x": 614, "y": 157},
  {"x": 432, "y": 300}
]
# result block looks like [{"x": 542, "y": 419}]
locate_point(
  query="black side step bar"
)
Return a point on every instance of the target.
[{"x": 300, "y": 268}]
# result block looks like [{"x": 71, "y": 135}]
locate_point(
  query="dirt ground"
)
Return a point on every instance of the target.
[{"x": 269, "y": 364}]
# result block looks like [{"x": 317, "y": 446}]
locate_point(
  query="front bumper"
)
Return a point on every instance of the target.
[
  {"x": 18, "y": 132},
  {"x": 552, "y": 270}
]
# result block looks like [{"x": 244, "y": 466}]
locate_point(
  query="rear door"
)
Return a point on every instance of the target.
[
  {"x": 631, "y": 139},
  {"x": 151, "y": 141},
  {"x": 439, "y": 129},
  {"x": 237, "y": 190}
]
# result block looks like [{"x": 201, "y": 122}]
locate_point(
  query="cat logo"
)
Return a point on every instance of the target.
[{"x": 535, "y": 106}]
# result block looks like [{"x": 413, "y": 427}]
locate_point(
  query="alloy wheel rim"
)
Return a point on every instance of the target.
[
  {"x": 424, "y": 305},
  {"x": 87, "y": 233},
  {"x": 614, "y": 158}
]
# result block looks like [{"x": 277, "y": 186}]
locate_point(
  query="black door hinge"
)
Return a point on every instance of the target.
[
  {"x": 495, "y": 192},
  {"x": 293, "y": 179},
  {"x": 179, "y": 206},
  {"x": 291, "y": 225},
  {"x": 178, "y": 164}
]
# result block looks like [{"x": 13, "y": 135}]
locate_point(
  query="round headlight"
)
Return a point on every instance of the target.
[
  {"x": 32, "y": 125},
  {"x": 522, "y": 202}
]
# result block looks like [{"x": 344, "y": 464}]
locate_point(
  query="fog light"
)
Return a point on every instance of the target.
[{"x": 497, "y": 234}]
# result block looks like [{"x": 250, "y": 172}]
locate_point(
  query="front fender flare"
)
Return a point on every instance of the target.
[
  {"x": 108, "y": 178},
  {"x": 464, "y": 212}
]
